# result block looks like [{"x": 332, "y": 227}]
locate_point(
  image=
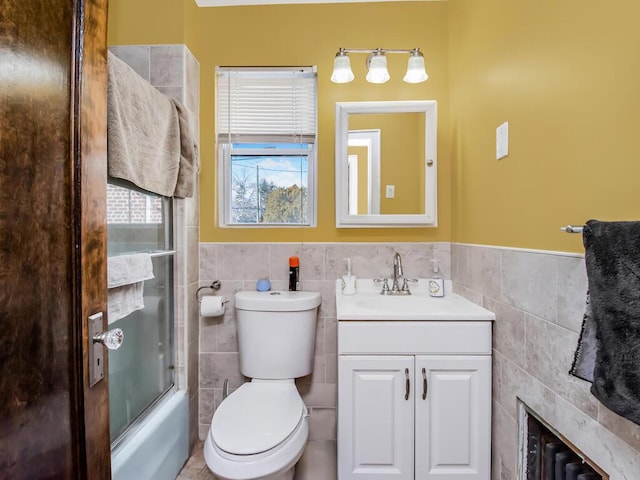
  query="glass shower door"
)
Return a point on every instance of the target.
[{"x": 141, "y": 371}]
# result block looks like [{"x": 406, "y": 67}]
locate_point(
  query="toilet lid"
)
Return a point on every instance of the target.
[{"x": 257, "y": 417}]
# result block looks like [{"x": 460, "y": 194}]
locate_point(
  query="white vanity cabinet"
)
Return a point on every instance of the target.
[{"x": 414, "y": 400}]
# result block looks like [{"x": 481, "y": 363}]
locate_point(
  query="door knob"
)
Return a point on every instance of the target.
[
  {"x": 112, "y": 339},
  {"x": 97, "y": 340}
]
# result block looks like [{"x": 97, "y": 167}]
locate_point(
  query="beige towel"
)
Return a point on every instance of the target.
[
  {"x": 143, "y": 131},
  {"x": 189, "y": 154}
]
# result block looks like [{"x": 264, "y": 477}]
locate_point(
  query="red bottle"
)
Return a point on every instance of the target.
[{"x": 294, "y": 274}]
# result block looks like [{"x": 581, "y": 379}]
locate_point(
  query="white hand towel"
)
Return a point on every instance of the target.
[
  {"x": 127, "y": 269},
  {"x": 126, "y": 276}
]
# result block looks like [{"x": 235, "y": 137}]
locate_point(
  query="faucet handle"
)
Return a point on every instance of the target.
[
  {"x": 385, "y": 284},
  {"x": 405, "y": 284}
]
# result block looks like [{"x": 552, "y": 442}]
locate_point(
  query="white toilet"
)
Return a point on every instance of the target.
[{"x": 261, "y": 429}]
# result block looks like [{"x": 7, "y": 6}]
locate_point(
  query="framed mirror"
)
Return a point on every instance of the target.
[{"x": 386, "y": 164}]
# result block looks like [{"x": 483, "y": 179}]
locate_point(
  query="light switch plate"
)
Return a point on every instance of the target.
[
  {"x": 502, "y": 141},
  {"x": 390, "y": 191}
]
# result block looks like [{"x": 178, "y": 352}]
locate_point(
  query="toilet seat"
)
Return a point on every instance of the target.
[
  {"x": 284, "y": 452},
  {"x": 257, "y": 417}
]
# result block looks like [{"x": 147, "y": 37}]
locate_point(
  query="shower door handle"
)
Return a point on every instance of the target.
[{"x": 112, "y": 339}]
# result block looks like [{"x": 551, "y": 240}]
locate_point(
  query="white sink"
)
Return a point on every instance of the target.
[{"x": 368, "y": 304}]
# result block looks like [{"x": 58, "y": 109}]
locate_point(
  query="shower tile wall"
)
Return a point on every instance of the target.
[
  {"x": 238, "y": 266},
  {"x": 539, "y": 299},
  {"x": 174, "y": 71}
]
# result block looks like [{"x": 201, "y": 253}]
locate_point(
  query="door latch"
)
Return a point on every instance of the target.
[{"x": 112, "y": 339}]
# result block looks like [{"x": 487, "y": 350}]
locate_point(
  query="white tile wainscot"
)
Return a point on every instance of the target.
[
  {"x": 239, "y": 265},
  {"x": 539, "y": 298}
]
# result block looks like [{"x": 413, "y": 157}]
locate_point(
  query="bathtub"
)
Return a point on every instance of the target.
[{"x": 160, "y": 447}]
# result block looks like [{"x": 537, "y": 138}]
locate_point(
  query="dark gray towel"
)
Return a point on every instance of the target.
[
  {"x": 612, "y": 257},
  {"x": 584, "y": 360}
]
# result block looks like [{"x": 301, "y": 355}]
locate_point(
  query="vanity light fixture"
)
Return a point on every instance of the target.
[{"x": 377, "y": 65}]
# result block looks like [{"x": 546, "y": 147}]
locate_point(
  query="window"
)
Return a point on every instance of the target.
[{"x": 266, "y": 134}]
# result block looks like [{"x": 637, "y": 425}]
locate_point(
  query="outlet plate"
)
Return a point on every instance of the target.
[{"x": 502, "y": 141}]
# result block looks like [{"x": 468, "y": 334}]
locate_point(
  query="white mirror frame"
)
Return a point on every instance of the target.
[{"x": 429, "y": 218}]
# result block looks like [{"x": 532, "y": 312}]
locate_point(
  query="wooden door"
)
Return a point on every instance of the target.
[
  {"x": 375, "y": 417},
  {"x": 52, "y": 237},
  {"x": 453, "y": 420}
]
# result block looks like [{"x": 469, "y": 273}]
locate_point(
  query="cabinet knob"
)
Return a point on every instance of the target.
[
  {"x": 424, "y": 383},
  {"x": 408, "y": 384}
]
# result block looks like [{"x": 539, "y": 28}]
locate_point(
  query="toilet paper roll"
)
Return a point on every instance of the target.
[{"x": 212, "y": 306}]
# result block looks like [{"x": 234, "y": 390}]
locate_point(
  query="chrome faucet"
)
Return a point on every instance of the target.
[{"x": 397, "y": 273}]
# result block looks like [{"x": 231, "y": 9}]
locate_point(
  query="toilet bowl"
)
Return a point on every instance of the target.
[{"x": 259, "y": 431}]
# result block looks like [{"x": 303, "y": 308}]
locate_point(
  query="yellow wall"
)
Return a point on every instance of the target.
[
  {"x": 146, "y": 22},
  {"x": 566, "y": 76},
  {"x": 305, "y": 35}
]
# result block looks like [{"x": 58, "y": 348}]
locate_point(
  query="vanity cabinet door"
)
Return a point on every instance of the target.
[
  {"x": 375, "y": 417},
  {"x": 453, "y": 417}
]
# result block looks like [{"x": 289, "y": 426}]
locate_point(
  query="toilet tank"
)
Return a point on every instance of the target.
[{"x": 276, "y": 333}]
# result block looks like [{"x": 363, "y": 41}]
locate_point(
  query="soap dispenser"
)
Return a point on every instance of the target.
[
  {"x": 436, "y": 282},
  {"x": 348, "y": 280}
]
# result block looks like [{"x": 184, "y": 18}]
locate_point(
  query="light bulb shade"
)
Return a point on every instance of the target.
[
  {"x": 341, "y": 69},
  {"x": 378, "y": 72},
  {"x": 416, "y": 72}
]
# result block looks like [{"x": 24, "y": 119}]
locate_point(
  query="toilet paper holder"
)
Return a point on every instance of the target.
[{"x": 215, "y": 286}]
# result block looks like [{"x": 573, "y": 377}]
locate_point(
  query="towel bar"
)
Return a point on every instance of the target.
[
  {"x": 164, "y": 253},
  {"x": 572, "y": 229}
]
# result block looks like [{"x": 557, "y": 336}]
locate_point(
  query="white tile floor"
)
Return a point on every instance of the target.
[
  {"x": 318, "y": 462},
  {"x": 195, "y": 468}
]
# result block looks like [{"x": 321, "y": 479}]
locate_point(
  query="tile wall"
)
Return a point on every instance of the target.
[
  {"x": 238, "y": 266},
  {"x": 538, "y": 299},
  {"x": 174, "y": 71}
]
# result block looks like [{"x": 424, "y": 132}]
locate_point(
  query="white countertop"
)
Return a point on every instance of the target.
[{"x": 368, "y": 304}]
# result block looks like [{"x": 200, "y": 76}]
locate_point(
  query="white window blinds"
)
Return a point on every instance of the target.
[{"x": 266, "y": 104}]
